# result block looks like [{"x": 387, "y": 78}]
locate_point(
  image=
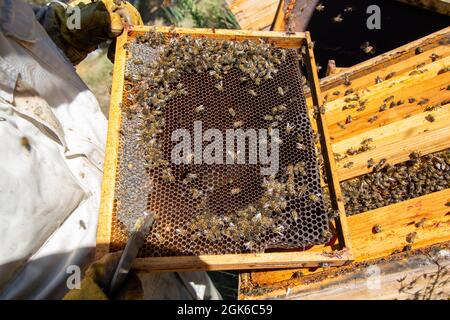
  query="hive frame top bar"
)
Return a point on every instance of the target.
[
  {"x": 334, "y": 255},
  {"x": 279, "y": 39}
]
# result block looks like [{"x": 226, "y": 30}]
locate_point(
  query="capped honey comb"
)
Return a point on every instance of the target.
[{"x": 216, "y": 208}]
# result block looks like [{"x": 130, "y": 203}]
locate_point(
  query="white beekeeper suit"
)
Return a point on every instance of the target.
[{"x": 52, "y": 137}]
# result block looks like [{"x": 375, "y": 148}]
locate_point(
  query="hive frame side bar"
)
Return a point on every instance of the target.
[
  {"x": 111, "y": 151},
  {"x": 332, "y": 179},
  {"x": 279, "y": 23}
]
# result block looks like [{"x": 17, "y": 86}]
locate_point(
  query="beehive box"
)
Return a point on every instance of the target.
[
  {"x": 165, "y": 248},
  {"x": 415, "y": 74}
]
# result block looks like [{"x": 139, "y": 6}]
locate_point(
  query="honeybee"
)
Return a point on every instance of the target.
[
  {"x": 232, "y": 112},
  {"x": 277, "y": 140},
  {"x": 180, "y": 231},
  {"x": 189, "y": 157},
  {"x": 289, "y": 128},
  {"x": 278, "y": 229},
  {"x": 189, "y": 178},
  {"x": 249, "y": 245},
  {"x": 199, "y": 109},
  {"x": 390, "y": 75},
  {"x": 349, "y": 119},
  {"x": 367, "y": 48},
  {"x": 423, "y": 101},
  {"x": 348, "y": 9},
  {"x": 196, "y": 193},
  {"x": 313, "y": 197},
  {"x": 252, "y": 92},
  {"x": 294, "y": 214},
  {"x": 421, "y": 222},
  {"x": 372, "y": 119},
  {"x": 338, "y": 18},
  {"x": 281, "y": 92},
  {"x": 320, "y": 7},
  {"x": 219, "y": 86},
  {"x": 326, "y": 234},
  {"x": 376, "y": 228},
  {"x": 434, "y": 57},
  {"x": 235, "y": 191},
  {"x": 238, "y": 124},
  {"x": 430, "y": 118},
  {"x": 167, "y": 175},
  {"x": 348, "y": 165},
  {"x": 411, "y": 237}
]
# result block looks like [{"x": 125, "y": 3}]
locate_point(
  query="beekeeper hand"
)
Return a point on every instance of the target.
[
  {"x": 98, "y": 277},
  {"x": 79, "y": 27}
]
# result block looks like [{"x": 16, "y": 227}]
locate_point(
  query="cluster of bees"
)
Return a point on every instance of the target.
[
  {"x": 255, "y": 221},
  {"x": 363, "y": 147},
  {"x": 152, "y": 83},
  {"x": 389, "y": 184},
  {"x": 159, "y": 80}
]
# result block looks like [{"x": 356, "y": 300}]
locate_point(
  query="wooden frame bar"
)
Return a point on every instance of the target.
[
  {"x": 337, "y": 255},
  {"x": 327, "y": 151}
]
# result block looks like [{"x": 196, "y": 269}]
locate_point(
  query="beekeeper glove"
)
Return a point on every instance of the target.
[
  {"x": 98, "y": 278},
  {"x": 79, "y": 27}
]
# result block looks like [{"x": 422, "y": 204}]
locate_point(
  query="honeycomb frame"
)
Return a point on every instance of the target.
[{"x": 336, "y": 253}]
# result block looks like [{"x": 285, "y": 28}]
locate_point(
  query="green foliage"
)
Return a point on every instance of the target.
[{"x": 202, "y": 13}]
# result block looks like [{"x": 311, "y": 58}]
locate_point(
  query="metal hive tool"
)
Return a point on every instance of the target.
[{"x": 140, "y": 188}]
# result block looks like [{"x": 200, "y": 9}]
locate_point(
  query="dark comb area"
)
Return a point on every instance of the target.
[{"x": 219, "y": 208}]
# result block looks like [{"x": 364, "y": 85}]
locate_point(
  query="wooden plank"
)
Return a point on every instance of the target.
[
  {"x": 254, "y": 14},
  {"x": 333, "y": 182},
  {"x": 238, "y": 261},
  {"x": 279, "y": 23},
  {"x": 111, "y": 152},
  {"x": 312, "y": 257},
  {"x": 396, "y": 222},
  {"x": 394, "y": 142},
  {"x": 429, "y": 85},
  {"x": 388, "y": 59},
  {"x": 278, "y": 39},
  {"x": 367, "y": 80}
]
